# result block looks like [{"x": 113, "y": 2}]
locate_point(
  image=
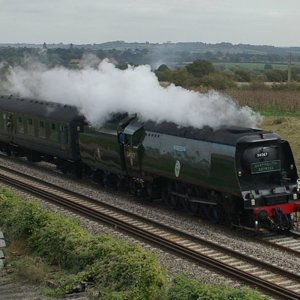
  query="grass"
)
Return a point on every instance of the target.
[
  {"x": 288, "y": 127},
  {"x": 26, "y": 268}
]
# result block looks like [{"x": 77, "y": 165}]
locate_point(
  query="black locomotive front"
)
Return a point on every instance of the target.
[{"x": 268, "y": 180}]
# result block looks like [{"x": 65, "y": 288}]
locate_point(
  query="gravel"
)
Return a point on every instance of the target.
[{"x": 157, "y": 211}]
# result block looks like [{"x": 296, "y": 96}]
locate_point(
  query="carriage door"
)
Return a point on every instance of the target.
[
  {"x": 133, "y": 148},
  {"x": 64, "y": 140}
]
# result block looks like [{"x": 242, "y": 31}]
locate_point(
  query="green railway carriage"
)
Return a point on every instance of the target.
[{"x": 40, "y": 130}]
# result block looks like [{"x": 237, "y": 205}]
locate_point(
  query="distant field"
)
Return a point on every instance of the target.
[
  {"x": 249, "y": 66},
  {"x": 269, "y": 102}
]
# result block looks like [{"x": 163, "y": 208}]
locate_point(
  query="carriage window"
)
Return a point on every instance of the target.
[
  {"x": 42, "y": 130},
  {"x": 53, "y": 134},
  {"x": 2, "y": 121},
  {"x": 20, "y": 125},
  {"x": 30, "y": 127},
  {"x": 64, "y": 134}
]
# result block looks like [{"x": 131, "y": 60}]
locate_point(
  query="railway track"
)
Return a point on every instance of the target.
[
  {"x": 268, "y": 277},
  {"x": 288, "y": 242}
]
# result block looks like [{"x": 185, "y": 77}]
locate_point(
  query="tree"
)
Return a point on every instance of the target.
[
  {"x": 242, "y": 75},
  {"x": 181, "y": 77},
  {"x": 276, "y": 75},
  {"x": 163, "y": 73},
  {"x": 200, "y": 68},
  {"x": 163, "y": 68},
  {"x": 218, "y": 81}
]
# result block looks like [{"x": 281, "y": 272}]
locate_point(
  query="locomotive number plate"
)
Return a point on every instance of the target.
[{"x": 265, "y": 166}]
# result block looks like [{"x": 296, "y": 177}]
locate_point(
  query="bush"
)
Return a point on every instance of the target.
[
  {"x": 31, "y": 269},
  {"x": 183, "y": 288},
  {"x": 242, "y": 75},
  {"x": 200, "y": 68},
  {"x": 119, "y": 270},
  {"x": 17, "y": 218},
  {"x": 276, "y": 75},
  {"x": 217, "y": 81}
]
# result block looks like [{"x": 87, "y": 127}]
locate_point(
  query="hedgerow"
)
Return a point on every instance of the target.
[{"x": 118, "y": 270}]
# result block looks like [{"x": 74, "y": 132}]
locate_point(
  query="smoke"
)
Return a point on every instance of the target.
[{"x": 103, "y": 90}]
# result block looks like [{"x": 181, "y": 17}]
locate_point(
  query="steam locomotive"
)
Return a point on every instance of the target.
[{"x": 242, "y": 176}]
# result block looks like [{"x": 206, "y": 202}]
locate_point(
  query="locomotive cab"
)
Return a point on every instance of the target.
[{"x": 268, "y": 179}]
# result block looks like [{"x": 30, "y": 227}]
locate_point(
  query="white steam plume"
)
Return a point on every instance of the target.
[{"x": 106, "y": 89}]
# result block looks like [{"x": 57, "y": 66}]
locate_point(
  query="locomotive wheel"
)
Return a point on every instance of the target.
[
  {"x": 8, "y": 151},
  {"x": 98, "y": 176},
  {"x": 122, "y": 184},
  {"x": 110, "y": 180},
  {"x": 78, "y": 172},
  {"x": 215, "y": 214},
  {"x": 33, "y": 157},
  {"x": 132, "y": 188},
  {"x": 64, "y": 171},
  {"x": 191, "y": 208},
  {"x": 201, "y": 212},
  {"x": 171, "y": 201},
  {"x": 204, "y": 211},
  {"x": 149, "y": 192}
]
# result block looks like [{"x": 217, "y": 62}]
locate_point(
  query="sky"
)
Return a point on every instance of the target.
[{"x": 267, "y": 22}]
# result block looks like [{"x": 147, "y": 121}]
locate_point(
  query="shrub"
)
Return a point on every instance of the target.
[
  {"x": 19, "y": 219},
  {"x": 200, "y": 68},
  {"x": 242, "y": 75},
  {"x": 31, "y": 269},
  {"x": 183, "y": 288},
  {"x": 217, "y": 81},
  {"x": 119, "y": 270}
]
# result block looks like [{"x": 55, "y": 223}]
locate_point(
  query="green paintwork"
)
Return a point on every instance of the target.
[
  {"x": 192, "y": 161},
  {"x": 149, "y": 155},
  {"x": 41, "y": 135},
  {"x": 100, "y": 148}
]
